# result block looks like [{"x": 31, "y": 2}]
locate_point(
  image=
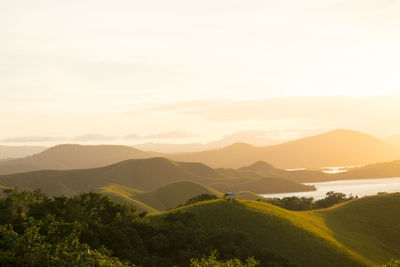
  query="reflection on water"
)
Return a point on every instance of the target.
[{"x": 359, "y": 187}]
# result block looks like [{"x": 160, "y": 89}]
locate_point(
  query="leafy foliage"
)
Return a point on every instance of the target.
[
  {"x": 49, "y": 243},
  {"x": 200, "y": 198},
  {"x": 392, "y": 263},
  {"x": 307, "y": 203},
  {"x": 212, "y": 261},
  {"x": 90, "y": 229}
]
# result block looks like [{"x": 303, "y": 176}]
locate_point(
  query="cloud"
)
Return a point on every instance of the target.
[
  {"x": 94, "y": 137},
  {"x": 78, "y": 138},
  {"x": 28, "y": 139},
  {"x": 132, "y": 136},
  {"x": 171, "y": 135},
  {"x": 330, "y": 108}
]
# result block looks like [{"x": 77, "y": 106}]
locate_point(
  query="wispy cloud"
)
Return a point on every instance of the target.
[
  {"x": 29, "y": 139},
  {"x": 329, "y": 108},
  {"x": 94, "y": 137},
  {"x": 171, "y": 135},
  {"x": 132, "y": 136}
]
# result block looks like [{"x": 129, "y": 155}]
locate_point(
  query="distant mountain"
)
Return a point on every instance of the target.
[
  {"x": 376, "y": 170},
  {"x": 144, "y": 175},
  {"x": 8, "y": 152},
  {"x": 249, "y": 137},
  {"x": 336, "y": 148},
  {"x": 394, "y": 140},
  {"x": 64, "y": 157}
]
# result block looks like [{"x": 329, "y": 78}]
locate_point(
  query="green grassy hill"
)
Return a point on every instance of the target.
[
  {"x": 293, "y": 235},
  {"x": 142, "y": 174},
  {"x": 166, "y": 197},
  {"x": 367, "y": 226},
  {"x": 362, "y": 232}
]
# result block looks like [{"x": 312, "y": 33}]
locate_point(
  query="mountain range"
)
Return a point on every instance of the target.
[
  {"x": 66, "y": 157},
  {"x": 158, "y": 183},
  {"x": 335, "y": 148}
]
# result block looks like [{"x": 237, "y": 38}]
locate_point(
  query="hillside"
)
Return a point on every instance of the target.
[
  {"x": 368, "y": 226},
  {"x": 165, "y": 197},
  {"x": 144, "y": 175},
  {"x": 293, "y": 235},
  {"x": 377, "y": 170},
  {"x": 362, "y": 232},
  {"x": 336, "y": 148},
  {"x": 65, "y": 157}
]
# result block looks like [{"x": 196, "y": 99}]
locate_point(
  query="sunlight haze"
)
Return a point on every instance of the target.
[{"x": 89, "y": 68}]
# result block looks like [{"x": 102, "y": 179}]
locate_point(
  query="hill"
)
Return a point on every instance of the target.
[
  {"x": 361, "y": 232},
  {"x": 64, "y": 157},
  {"x": 144, "y": 175},
  {"x": 377, "y": 170},
  {"x": 165, "y": 197},
  {"x": 290, "y": 234},
  {"x": 367, "y": 226},
  {"x": 8, "y": 152},
  {"x": 336, "y": 148},
  {"x": 249, "y": 137}
]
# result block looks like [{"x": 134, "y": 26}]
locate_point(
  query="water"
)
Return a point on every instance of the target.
[{"x": 359, "y": 187}]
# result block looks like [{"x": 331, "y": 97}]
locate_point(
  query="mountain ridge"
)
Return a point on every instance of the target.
[{"x": 336, "y": 148}]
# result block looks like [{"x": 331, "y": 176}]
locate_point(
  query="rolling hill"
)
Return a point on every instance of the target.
[
  {"x": 144, "y": 175},
  {"x": 362, "y": 232},
  {"x": 336, "y": 148},
  {"x": 65, "y": 157},
  {"x": 165, "y": 197}
]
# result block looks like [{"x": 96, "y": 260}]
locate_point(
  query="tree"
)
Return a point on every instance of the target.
[{"x": 212, "y": 261}]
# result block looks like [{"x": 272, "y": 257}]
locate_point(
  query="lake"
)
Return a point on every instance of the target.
[{"x": 359, "y": 187}]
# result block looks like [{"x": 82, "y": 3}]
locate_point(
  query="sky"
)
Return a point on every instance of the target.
[{"x": 127, "y": 71}]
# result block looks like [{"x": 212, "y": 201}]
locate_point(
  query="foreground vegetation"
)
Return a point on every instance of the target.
[
  {"x": 308, "y": 203},
  {"x": 90, "y": 229}
]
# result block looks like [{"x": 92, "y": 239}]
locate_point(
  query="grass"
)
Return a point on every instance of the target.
[
  {"x": 362, "y": 232},
  {"x": 368, "y": 226},
  {"x": 166, "y": 197}
]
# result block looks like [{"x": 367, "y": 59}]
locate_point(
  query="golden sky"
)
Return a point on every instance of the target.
[{"x": 99, "y": 71}]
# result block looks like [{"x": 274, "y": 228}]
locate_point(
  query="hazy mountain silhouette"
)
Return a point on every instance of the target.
[
  {"x": 8, "y": 152},
  {"x": 144, "y": 175},
  {"x": 376, "y": 170},
  {"x": 335, "y": 148},
  {"x": 64, "y": 157},
  {"x": 249, "y": 137}
]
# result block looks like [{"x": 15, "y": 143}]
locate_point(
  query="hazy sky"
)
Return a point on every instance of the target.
[{"x": 117, "y": 71}]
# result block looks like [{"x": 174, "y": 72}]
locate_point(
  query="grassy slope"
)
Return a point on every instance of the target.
[
  {"x": 123, "y": 194},
  {"x": 360, "y": 232},
  {"x": 369, "y": 226},
  {"x": 297, "y": 236},
  {"x": 166, "y": 197}
]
